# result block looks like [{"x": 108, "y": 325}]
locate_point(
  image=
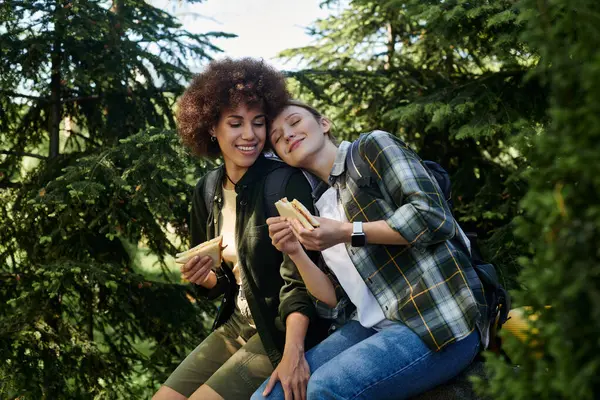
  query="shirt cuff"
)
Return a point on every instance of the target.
[
  {"x": 410, "y": 225},
  {"x": 324, "y": 311}
]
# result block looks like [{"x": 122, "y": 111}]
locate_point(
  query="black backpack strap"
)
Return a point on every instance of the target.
[
  {"x": 275, "y": 185},
  {"x": 209, "y": 190},
  {"x": 442, "y": 178},
  {"x": 356, "y": 166}
]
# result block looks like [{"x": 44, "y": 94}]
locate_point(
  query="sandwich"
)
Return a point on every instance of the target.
[
  {"x": 212, "y": 248},
  {"x": 296, "y": 210}
]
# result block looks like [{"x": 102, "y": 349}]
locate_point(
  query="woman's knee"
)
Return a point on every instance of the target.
[
  {"x": 275, "y": 394},
  {"x": 321, "y": 385},
  {"x": 166, "y": 393}
]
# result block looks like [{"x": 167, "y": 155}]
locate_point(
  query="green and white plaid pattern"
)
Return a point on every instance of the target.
[{"x": 429, "y": 285}]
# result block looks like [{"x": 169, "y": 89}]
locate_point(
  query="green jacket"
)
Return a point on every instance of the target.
[{"x": 272, "y": 284}]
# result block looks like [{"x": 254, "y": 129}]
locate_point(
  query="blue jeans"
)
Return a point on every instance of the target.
[{"x": 361, "y": 363}]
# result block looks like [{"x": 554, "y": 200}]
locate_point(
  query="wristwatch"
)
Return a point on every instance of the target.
[{"x": 358, "y": 238}]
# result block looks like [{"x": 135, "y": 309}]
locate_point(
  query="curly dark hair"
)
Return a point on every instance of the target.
[{"x": 227, "y": 84}]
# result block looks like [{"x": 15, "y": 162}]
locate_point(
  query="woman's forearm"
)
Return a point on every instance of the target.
[
  {"x": 377, "y": 232},
  {"x": 295, "y": 333},
  {"x": 316, "y": 281}
]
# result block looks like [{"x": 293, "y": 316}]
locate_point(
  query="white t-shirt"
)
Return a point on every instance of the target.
[
  {"x": 369, "y": 312},
  {"x": 228, "y": 217}
]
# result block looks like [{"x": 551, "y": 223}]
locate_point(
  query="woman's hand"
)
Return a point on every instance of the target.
[
  {"x": 282, "y": 236},
  {"x": 330, "y": 233},
  {"x": 293, "y": 372},
  {"x": 198, "y": 270}
]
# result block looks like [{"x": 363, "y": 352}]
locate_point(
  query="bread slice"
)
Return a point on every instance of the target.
[
  {"x": 296, "y": 210},
  {"x": 212, "y": 248},
  {"x": 305, "y": 213}
]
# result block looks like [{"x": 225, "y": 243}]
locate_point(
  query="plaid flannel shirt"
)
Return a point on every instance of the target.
[{"x": 428, "y": 285}]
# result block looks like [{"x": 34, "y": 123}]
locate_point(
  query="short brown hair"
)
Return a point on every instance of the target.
[{"x": 227, "y": 84}]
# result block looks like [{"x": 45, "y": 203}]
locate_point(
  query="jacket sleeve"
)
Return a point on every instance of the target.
[
  {"x": 293, "y": 295},
  {"x": 422, "y": 216},
  {"x": 197, "y": 222},
  {"x": 338, "y": 313}
]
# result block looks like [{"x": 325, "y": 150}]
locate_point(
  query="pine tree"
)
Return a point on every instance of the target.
[
  {"x": 78, "y": 74},
  {"x": 561, "y": 222},
  {"x": 87, "y": 88},
  {"x": 448, "y": 78}
]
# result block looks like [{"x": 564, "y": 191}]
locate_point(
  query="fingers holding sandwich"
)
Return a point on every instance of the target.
[
  {"x": 329, "y": 233},
  {"x": 282, "y": 236},
  {"x": 312, "y": 232},
  {"x": 212, "y": 248},
  {"x": 198, "y": 269},
  {"x": 199, "y": 261},
  {"x": 276, "y": 223}
]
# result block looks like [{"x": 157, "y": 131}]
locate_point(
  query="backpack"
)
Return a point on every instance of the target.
[{"x": 497, "y": 298}]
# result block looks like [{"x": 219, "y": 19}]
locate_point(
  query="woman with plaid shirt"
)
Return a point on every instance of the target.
[{"x": 406, "y": 303}]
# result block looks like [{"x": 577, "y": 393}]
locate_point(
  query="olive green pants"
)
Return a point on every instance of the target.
[{"x": 231, "y": 360}]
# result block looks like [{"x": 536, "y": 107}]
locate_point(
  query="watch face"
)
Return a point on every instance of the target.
[{"x": 358, "y": 240}]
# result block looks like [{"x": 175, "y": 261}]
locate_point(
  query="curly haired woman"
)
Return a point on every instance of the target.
[{"x": 264, "y": 320}]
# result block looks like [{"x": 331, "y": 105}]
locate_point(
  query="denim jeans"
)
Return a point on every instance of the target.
[{"x": 361, "y": 363}]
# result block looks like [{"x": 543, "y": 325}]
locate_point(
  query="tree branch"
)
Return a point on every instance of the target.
[
  {"x": 22, "y": 154},
  {"x": 81, "y": 98},
  {"x": 87, "y": 139},
  {"x": 78, "y": 98},
  {"x": 10, "y": 93}
]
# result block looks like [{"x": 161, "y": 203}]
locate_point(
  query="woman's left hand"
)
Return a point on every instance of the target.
[
  {"x": 293, "y": 372},
  {"x": 330, "y": 233}
]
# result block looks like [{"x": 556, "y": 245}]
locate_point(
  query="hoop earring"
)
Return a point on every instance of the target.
[{"x": 213, "y": 139}]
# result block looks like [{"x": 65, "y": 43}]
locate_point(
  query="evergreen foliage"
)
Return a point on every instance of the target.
[
  {"x": 82, "y": 317},
  {"x": 561, "y": 220},
  {"x": 448, "y": 78},
  {"x": 87, "y": 88},
  {"x": 111, "y": 68}
]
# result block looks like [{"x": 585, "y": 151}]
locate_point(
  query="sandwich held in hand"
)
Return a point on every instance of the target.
[
  {"x": 296, "y": 210},
  {"x": 213, "y": 248}
]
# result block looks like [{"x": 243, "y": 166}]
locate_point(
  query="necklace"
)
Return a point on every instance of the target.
[{"x": 232, "y": 182}]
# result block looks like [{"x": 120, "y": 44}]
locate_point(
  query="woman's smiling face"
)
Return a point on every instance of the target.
[
  {"x": 241, "y": 134},
  {"x": 296, "y": 134}
]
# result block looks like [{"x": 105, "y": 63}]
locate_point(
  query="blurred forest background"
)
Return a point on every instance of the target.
[{"x": 95, "y": 187}]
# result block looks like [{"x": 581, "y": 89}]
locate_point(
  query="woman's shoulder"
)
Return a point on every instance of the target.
[
  {"x": 375, "y": 143},
  {"x": 273, "y": 162},
  {"x": 379, "y": 136},
  {"x": 208, "y": 181},
  {"x": 274, "y": 166}
]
